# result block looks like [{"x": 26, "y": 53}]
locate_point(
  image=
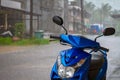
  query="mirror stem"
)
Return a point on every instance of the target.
[
  {"x": 65, "y": 30},
  {"x": 98, "y": 37}
]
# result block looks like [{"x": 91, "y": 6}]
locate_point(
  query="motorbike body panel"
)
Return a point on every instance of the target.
[
  {"x": 79, "y": 41},
  {"x": 71, "y": 57}
]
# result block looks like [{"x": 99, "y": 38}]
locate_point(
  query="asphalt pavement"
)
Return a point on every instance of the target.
[
  {"x": 32, "y": 63},
  {"x": 35, "y": 62}
]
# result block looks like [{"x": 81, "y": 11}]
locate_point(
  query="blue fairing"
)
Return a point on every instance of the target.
[
  {"x": 54, "y": 73},
  {"x": 80, "y": 74},
  {"x": 79, "y": 41},
  {"x": 72, "y": 56}
]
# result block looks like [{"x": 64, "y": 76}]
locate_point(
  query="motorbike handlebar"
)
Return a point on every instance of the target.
[
  {"x": 105, "y": 49},
  {"x": 55, "y": 36},
  {"x": 58, "y": 37}
]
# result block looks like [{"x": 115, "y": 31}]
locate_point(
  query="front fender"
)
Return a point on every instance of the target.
[{"x": 54, "y": 73}]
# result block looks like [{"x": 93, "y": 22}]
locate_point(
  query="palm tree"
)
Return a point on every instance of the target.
[
  {"x": 89, "y": 7},
  {"x": 105, "y": 11},
  {"x": 101, "y": 14}
]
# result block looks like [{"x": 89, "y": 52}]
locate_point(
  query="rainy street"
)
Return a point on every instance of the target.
[
  {"x": 35, "y": 62},
  {"x": 25, "y": 25}
]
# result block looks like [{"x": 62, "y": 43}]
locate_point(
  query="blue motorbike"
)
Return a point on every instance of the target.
[{"x": 85, "y": 60}]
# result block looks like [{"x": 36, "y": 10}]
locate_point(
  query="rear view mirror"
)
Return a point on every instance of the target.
[
  {"x": 58, "y": 20},
  {"x": 109, "y": 31}
]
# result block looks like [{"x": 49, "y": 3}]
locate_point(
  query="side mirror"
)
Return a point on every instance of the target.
[
  {"x": 58, "y": 20},
  {"x": 109, "y": 31}
]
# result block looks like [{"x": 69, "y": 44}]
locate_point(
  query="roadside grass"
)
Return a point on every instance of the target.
[
  {"x": 5, "y": 41},
  {"x": 23, "y": 42}
]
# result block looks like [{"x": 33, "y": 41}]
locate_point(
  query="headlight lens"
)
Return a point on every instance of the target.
[
  {"x": 61, "y": 71},
  {"x": 70, "y": 72},
  {"x": 66, "y": 72}
]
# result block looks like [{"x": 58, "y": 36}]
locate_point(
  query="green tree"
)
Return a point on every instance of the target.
[
  {"x": 19, "y": 29},
  {"x": 89, "y": 7},
  {"x": 102, "y": 14},
  {"x": 105, "y": 11},
  {"x": 96, "y": 16}
]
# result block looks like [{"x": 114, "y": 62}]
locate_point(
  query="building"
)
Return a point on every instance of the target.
[
  {"x": 74, "y": 18},
  {"x": 14, "y": 11}
]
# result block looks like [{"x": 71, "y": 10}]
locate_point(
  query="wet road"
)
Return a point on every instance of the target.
[
  {"x": 35, "y": 63},
  {"x": 113, "y": 57}
]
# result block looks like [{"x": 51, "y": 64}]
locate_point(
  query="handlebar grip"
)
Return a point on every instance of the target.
[
  {"x": 55, "y": 36},
  {"x": 104, "y": 49}
]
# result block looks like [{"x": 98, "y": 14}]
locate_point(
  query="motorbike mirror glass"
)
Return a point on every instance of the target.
[
  {"x": 58, "y": 20},
  {"x": 108, "y": 31}
]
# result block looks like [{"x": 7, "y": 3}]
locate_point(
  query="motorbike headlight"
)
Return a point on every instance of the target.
[
  {"x": 70, "y": 72},
  {"x": 61, "y": 71},
  {"x": 66, "y": 72}
]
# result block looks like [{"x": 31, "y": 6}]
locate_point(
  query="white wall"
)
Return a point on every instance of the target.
[{"x": 11, "y": 4}]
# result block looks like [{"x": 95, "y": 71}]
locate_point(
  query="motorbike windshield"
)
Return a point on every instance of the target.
[{"x": 79, "y": 41}]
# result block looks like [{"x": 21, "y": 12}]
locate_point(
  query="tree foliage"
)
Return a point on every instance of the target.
[
  {"x": 19, "y": 29},
  {"x": 98, "y": 15},
  {"x": 89, "y": 6}
]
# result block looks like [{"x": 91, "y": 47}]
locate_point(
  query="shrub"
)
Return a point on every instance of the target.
[{"x": 19, "y": 29}]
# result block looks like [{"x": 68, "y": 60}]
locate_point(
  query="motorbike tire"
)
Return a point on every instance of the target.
[{"x": 96, "y": 63}]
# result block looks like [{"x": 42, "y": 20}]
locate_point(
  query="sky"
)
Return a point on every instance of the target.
[{"x": 114, "y": 3}]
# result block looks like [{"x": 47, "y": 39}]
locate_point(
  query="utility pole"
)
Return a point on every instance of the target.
[
  {"x": 82, "y": 16},
  {"x": 31, "y": 18},
  {"x": 41, "y": 18},
  {"x": 66, "y": 13},
  {"x": 0, "y": 4}
]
